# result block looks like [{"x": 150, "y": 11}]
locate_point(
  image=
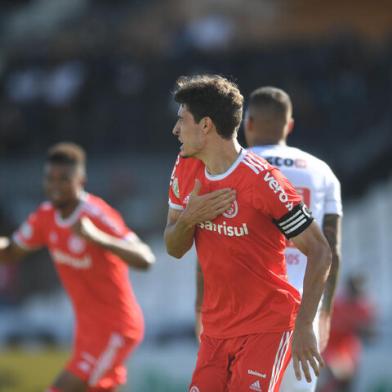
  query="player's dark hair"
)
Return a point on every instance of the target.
[
  {"x": 212, "y": 96},
  {"x": 66, "y": 154},
  {"x": 274, "y": 100}
]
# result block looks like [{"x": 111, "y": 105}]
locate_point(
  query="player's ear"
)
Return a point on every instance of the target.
[
  {"x": 290, "y": 126},
  {"x": 248, "y": 122},
  {"x": 206, "y": 124}
]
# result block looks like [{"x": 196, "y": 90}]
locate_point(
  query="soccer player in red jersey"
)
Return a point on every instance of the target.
[
  {"x": 238, "y": 209},
  {"x": 91, "y": 247}
]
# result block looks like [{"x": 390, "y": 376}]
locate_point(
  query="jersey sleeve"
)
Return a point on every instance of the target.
[
  {"x": 275, "y": 197},
  {"x": 111, "y": 222},
  {"x": 333, "y": 197},
  {"x": 174, "y": 187},
  {"x": 31, "y": 233}
]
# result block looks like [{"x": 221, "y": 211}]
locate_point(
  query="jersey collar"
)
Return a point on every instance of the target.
[
  {"x": 72, "y": 219},
  {"x": 230, "y": 170}
]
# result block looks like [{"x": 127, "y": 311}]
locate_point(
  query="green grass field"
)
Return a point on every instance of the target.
[{"x": 29, "y": 371}]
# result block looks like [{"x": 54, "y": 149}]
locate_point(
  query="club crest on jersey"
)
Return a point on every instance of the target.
[
  {"x": 175, "y": 187},
  {"x": 232, "y": 211},
  {"x": 194, "y": 389},
  {"x": 76, "y": 244}
]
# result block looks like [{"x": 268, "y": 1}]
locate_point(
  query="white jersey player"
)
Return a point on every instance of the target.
[
  {"x": 317, "y": 184},
  {"x": 267, "y": 125}
]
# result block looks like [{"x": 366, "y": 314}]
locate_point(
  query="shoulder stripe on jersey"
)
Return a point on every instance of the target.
[
  {"x": 255, "y": 164},
  {"x": 245, "y": 162},
  {"x": 257, "y": 161}
]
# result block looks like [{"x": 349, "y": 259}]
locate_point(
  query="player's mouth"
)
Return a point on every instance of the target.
[{"x": 55, "y": 196}]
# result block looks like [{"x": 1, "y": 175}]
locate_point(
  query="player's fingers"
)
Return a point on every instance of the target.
[
  {"x": 297, "y": 370},
  {"x": 305, "y": 369},
  {"x": 314, "y": 365},
  {"x": 319, "y": 358},
  {"x": 196, "y": 187},
  {"x": 226, "y": 200},
  {"x": 222, "y": 206}
]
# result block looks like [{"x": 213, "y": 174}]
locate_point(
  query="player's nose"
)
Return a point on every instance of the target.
[{"x": 176, "y": 130}]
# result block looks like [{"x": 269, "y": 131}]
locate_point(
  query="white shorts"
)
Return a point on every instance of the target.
[{"x": 290, "y": 382}]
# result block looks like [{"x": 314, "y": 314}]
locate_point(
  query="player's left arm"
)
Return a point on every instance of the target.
[
  {"x": 332, "y": 232},
  {"x": 199, "y": 300},
  {"x": 129, "y": 248},
  {"x": 314, "y": 245}
]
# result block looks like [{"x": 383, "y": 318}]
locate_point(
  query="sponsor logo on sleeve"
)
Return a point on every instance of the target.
[{"x": 277, "y": 189}]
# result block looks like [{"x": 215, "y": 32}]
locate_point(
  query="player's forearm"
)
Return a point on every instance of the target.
[
  {"x": 318, "y": 264},
  {"x": 136, "y": 254},
  {"x": 179, "y": 237},
  {"x": 330, "y": 285},
  {"x": 332, "y": 232}
]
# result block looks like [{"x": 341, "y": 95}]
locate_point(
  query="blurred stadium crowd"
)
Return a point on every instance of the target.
[{"x": 100, "y": 72}]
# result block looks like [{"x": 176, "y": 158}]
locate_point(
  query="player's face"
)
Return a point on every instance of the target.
[
  {"x": 62, "y": 184},
  {"x": 189, "y": 133}
]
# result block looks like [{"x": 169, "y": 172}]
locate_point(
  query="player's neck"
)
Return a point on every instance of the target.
[
  {"x": 220, "y": 156},
  {"x": 67, "y": 210},
  {"x": 269, "y": 142}
]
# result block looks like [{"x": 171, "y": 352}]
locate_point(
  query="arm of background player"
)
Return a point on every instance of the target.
[
  {"x": 181, "y": 224},
  {"x": 133, "y": 251},
  {"x": 199, "y": 300},
  {"x": 313, "y": 244},
  {"x": 10, "y": 251},
  {"x": 332, "y": 231}
]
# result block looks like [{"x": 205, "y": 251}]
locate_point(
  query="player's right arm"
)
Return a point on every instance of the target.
[
  {"x": 28, "y": 238},
  {"x": 11, "y": 252},
  {"x": 181, "y": 224}
]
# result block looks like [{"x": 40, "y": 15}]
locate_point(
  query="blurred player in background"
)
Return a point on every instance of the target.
[
  {"x": 91, "y": 246},
  {"x": 353, "y": 321},
  {"x": 268, "y": 122},
  {"x": 238, "y": 209}
]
